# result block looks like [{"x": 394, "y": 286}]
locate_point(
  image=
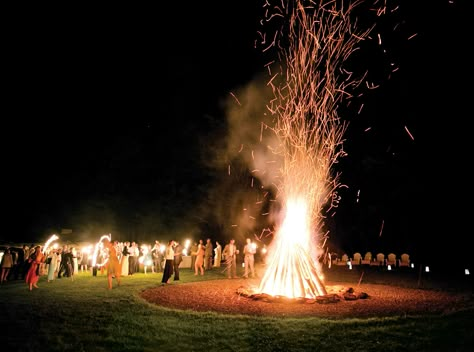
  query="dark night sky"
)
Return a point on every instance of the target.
[{"x": 113, "y": 114}]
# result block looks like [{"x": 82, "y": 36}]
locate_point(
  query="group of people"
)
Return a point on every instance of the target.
[
  {"x": 29, "y": 263},
  {"x": 120, "y": 259},
  {"x": 230, "y": 254},
  {"x": 202, "y": 258}
]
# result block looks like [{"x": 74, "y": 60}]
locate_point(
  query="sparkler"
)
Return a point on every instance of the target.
[
  {"x": 308, "y": 86},
  {"x": 98, "y": 246},
  {"x": 48, "y": 242}
]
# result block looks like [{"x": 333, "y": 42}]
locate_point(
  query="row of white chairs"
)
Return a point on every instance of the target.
[{"x": 380, "y": 259}]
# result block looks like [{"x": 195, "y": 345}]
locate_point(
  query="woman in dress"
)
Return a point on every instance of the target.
[
  {"x": 218, "y": 254},
  {"x": 114, "y": 268},
  {"x": 84, "y": 258},
  {"x": 53, "y": 261},
  {"x": 33, "y": 274},
  {"x": 198, "y": 265},
  {"x": 124, "y": 258}
]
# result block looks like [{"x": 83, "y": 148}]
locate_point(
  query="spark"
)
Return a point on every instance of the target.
[
  {"x": 237, "y": 100},
  {"x": 411, "y": 136}
]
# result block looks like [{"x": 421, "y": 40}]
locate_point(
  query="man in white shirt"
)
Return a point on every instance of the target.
[
  {"x": 230, "y": 252},
  {"x": 249, "y": 260}
]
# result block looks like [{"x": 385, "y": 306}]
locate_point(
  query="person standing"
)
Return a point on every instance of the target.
[
  {"x": 113, "y": 265},
  {"x": 124, "y": 260},
  {"x": 157, "y": 257},
  {"x": 84, "y": 260},
  {"x": 217, "y": 255},
  {"x": 208, "y": 255},
  {"x": 249, "y": 259},
  {"x": 230, "y": 252},
  {"x": 132, "y": 258},
  {"x": 194, "y": 250},
  {"x": 33, "y": 274},
  {"x": 75, "y": 261},
  {"x": 69, "y": 264},
  {"x": 198, "y": 265},
  {"x": 169, "y": 257},
  {"x": 7, "y": 264},
  {"x": 53, "y": 262},
  {"x": 66, "y": 266},
  {"x": 62, "y": 265},
  {"x": 178, "y": 258},
  {"x": 148, "y": 258}
]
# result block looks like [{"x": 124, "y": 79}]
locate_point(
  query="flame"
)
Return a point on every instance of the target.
[{"x": 291, "y": 271}]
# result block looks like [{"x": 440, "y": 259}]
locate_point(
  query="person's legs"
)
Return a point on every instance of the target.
[
  {"x": 246, "y": 265},
  {"x": 109, "y": 281},
  {"x": 249, "y": 266},
  {"x": 234, "y": 267},
  {"x": 60, "y": 270},
  {"x": 229, "y": 268},
  {"x": 176, "y": 272}
]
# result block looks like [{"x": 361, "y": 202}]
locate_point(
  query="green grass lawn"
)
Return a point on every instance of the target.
[{"x": 82, "y": 315}]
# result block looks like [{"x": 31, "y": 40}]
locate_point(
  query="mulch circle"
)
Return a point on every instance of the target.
[{"x": 237, "y": 296}]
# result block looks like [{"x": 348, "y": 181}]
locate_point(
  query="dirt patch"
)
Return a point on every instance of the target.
[{"x": 225, "y": 296}]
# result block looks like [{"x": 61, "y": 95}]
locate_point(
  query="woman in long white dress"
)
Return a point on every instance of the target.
[
  {"x": 75, "y": 262},
  {"x": 218, "y": 254},
  {"x": 124, "y": 259},
  {"x": 52, "y": 266}
]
